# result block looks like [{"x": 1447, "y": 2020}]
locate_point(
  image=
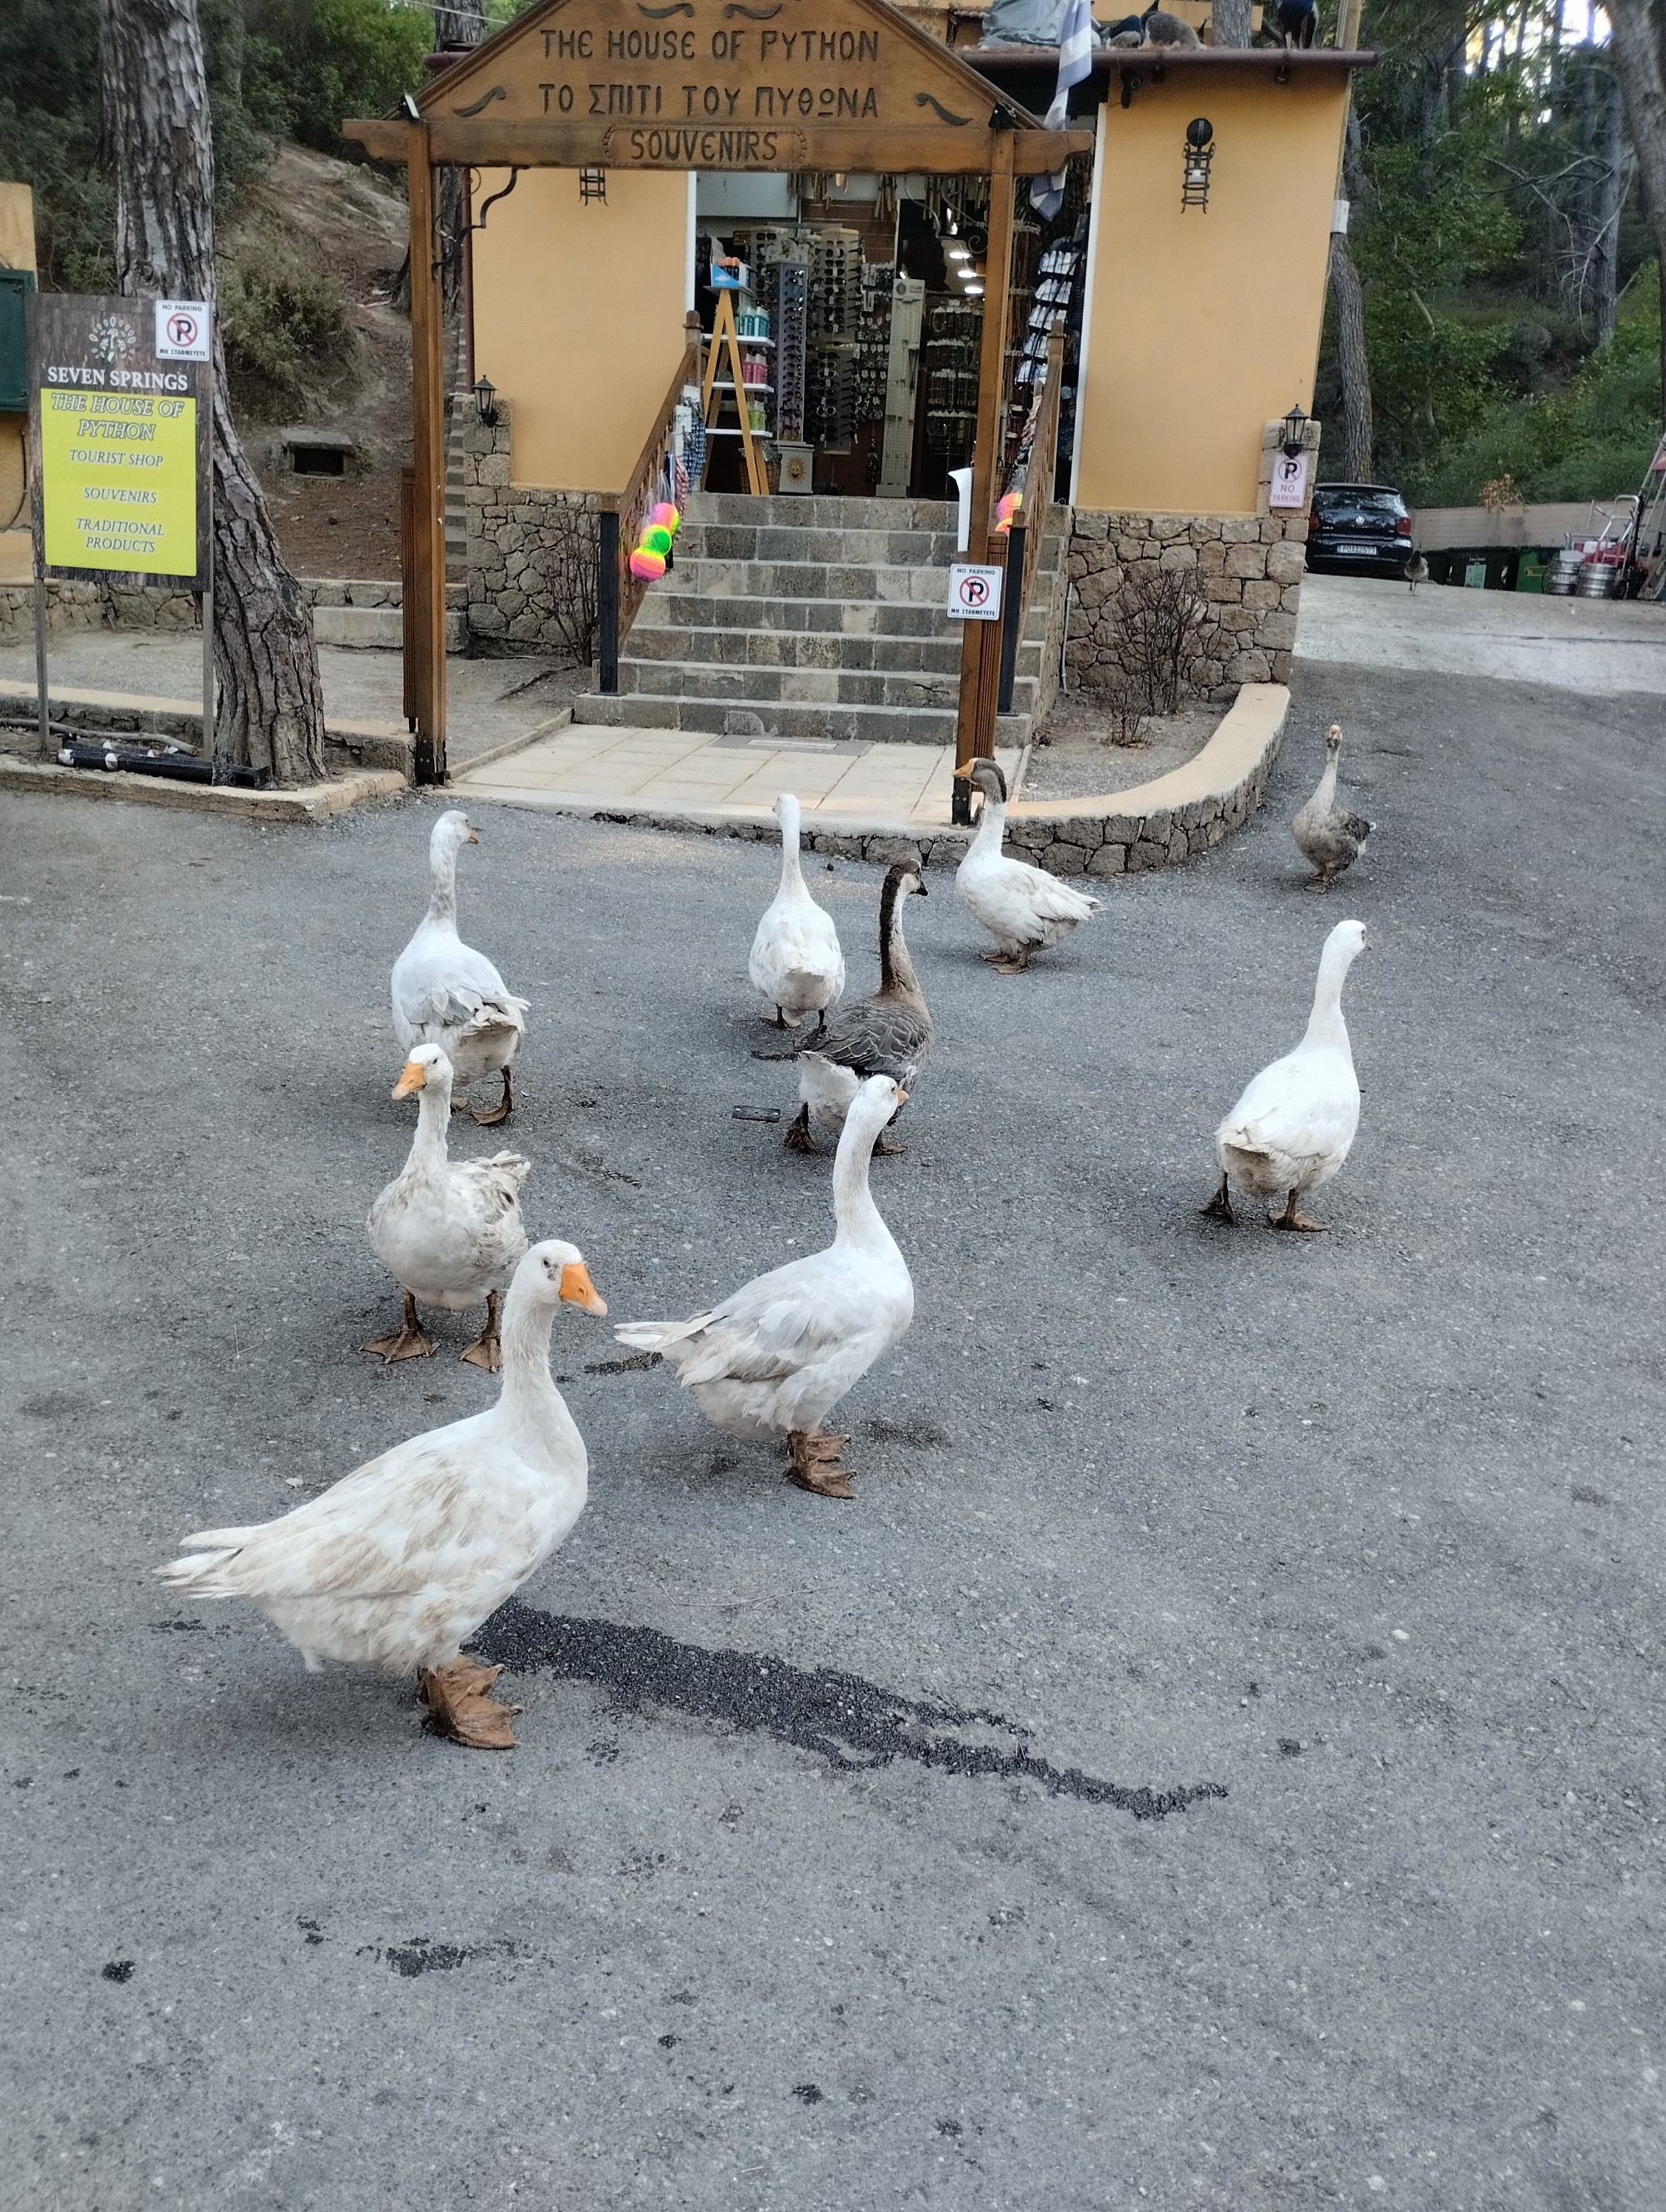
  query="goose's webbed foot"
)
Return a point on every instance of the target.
[
  {"x": 461, "y": 1707},
  {"x": 797, "y": 1138},
  {"x": 1014, "y": 964},
  {"x": 1293, "y": 1217},
  {"x": 504, "y": 1108},
  {"x": 410, "y": 1341},
  {"x": 814, "y": 1464},
  {"x": 1219, "y": 1207},
  {"x": 485, "y": 1351}
]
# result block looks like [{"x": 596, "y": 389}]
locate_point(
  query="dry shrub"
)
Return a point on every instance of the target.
[
  {"x": 1124, "y": 707},
  {"x": 571, "y": 567},
  {"x": 1160, "y": 615}
]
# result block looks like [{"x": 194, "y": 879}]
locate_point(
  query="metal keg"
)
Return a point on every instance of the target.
[
  {"x": 1596, "y": 579},
  {"x": 1564, "y": 573}
]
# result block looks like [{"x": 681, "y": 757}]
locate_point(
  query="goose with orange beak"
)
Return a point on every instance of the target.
[
  {"x": 398, "y": 1563},
  {"x": 773, "y": 1360},
  {"x": 448, "y": 1231}
]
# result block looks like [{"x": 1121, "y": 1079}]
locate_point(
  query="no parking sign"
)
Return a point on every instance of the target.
[{"x": 975, "y": 591}]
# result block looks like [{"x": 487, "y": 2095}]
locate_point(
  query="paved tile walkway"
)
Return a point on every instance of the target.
[{"x": 589, "y": 764}]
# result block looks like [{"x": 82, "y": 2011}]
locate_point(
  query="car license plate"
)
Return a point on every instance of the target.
[{"x": 1357, "y": 549}]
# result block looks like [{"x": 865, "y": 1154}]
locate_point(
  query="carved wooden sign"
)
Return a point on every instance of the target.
[{"x": 717, "y": 84}]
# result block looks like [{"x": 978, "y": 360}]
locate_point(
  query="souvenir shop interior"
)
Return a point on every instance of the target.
[{"x": 857, "y": 318}]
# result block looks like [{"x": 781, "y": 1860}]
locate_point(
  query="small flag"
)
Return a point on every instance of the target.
[{"x": 1075, "y": 62}]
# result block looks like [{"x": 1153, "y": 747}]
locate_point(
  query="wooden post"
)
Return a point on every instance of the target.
[
  {"x": 974, "y": 731},
  {"x": 425, "y": 555},
  {"x": 408, "y": 592},
  {"x": 607, "y": 600}
]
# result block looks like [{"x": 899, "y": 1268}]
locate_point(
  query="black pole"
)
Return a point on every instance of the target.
[
  {"x": 607, "y": 601},
  {"x": 1012, "y": 615}
]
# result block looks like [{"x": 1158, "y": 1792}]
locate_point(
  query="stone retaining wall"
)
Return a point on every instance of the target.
[{"x": 517, "y": 537}]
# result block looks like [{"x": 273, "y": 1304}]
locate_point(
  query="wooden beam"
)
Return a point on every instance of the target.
[
  {"x": 425, "y": 560},
  {"x": 943, "y": 149},
  {"x": 975, "y": 727}
]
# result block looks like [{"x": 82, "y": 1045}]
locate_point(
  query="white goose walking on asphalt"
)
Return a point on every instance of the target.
[
  {"x": 796, "y": 964},
  {"x": 1022, "y": 908},
  {"x": 773, "y": 1359},
  {"x": 446, "y": 993},
  {"x": 1292, "y": 1129},
  {"x": 398, "y": 1563},
  {"x": 448, "y": 1231}
]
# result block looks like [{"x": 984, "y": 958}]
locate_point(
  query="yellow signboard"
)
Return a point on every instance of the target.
[{"x": 118, "y": 481}]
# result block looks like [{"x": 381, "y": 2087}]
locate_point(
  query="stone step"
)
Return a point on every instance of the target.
[
  {"x": 668, "y": 604},
  {"x": 735, "y": 541},
  {"x": 784, "y": 718},
  {"x": 826, "y": 512},
  {"x": 889, "y": 583},
  {"x": 749, "y": 685},
  {"x": 656, "y": 635}
]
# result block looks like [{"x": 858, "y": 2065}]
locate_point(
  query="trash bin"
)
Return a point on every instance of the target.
[{"x": 1532, "y": 569}]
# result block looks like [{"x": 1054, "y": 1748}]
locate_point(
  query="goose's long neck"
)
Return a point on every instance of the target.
[
  {"x": 791, "y": 875},
  {"x": 1325, "y": 797},
  {"x": 428, "y": 1146},
  {"x": 895, "y": 969},
  {"x": 857, "y": 1218},
  {"x": 1325, "y": 1025},
  {"x": 991, "y": 832},
  {"x": 525, "y": 1336},
  {"x": 442, "y": 900}
]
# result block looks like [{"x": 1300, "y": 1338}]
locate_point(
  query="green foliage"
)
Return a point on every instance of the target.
[
  {"x": 49, "y": 128},
  {"x": 276, "y": 68},
  {"x": 1475, "y": 204},
  {"x": 323, "y": 60},
  {"x": 286, "y": 332},
  {"x": 1591, "y": 440}
]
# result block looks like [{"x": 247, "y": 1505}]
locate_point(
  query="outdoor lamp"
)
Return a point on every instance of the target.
[
  {"x": 1294, "y": 424},
  {"x": 1194, "y": 172},
  {"x": 485, "y": 397}
]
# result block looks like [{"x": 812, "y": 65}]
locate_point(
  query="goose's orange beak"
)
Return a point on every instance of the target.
[
  {"x": 411, "y": 1078},
  {"x": 578, "y": 1290},
  {"x": 902, "y": 1095}
]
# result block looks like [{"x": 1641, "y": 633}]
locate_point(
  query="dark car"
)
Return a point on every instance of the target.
[{"x": 1358, "y": 526}]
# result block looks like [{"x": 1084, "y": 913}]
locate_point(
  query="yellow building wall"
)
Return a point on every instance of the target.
[
  {"x": 16, "y": 252},
  {"x": 578, "y": 318},
  {"x": 1205, "y": 324}
]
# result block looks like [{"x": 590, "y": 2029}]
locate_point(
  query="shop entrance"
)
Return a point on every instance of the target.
[{"x": 708, "y": 86}]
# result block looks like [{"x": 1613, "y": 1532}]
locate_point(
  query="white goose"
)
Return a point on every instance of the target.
[
  {"x": 1293, "y": 1127},
  {"x": 448, "y": 1231},
  {"x": 775, "y": 1359},
  {"x": 795, "y": 965},
  {"x": 446, "y": 993},
  {"x": 400, "y": 1561},
  {"x": 1023, "y": 908}
]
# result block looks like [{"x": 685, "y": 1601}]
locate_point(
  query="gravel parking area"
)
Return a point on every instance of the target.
[{"x": 1215, "y": 1761}]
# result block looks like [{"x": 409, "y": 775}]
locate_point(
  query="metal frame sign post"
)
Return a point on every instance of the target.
[{"x": 121, "y": 430}]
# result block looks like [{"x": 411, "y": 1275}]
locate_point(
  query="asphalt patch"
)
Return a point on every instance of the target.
[{"x": 853, "y": 1724}]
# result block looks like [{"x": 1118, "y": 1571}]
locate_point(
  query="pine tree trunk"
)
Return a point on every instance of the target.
[
  {"x": 1229, "y": 23},
  {"x": 1352, "y": 363},
  {"x": 1605, "y": 254},
  {"x": 159, "y": 151}
]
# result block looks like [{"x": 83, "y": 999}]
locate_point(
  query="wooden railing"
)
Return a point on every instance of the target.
[
  {"x": 619, "y": 594},
  {"x": 1033, "y": 474}
]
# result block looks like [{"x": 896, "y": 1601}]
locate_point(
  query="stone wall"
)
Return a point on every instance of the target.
[
  {"x": 1250, "y": 568},
  {"x": 518, "y": 542},
  {"x": 90, "y": 605}
]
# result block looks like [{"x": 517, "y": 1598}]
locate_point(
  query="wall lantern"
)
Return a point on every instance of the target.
[
  {"x": 593, "y": 188},
  {"x": 1295, "y": 423},
  {"x": 485, "y": 399},
  {"x": 1199, "y": 153}
]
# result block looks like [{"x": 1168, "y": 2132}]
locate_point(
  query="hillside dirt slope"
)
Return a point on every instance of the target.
[{"x": 343, "y": 219}]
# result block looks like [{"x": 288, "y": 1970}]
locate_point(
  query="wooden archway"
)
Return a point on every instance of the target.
[{"x": 834, "y": 85}]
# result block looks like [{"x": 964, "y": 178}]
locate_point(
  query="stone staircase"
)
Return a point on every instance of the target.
[{"x": 815, "y": 620}]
